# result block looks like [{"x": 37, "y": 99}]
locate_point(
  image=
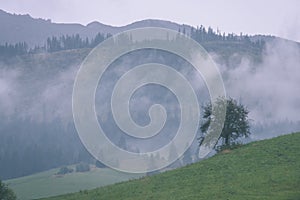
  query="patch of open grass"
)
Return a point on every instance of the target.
[
  {"x": 268, "y": 169},
  {"x": 47, "y": 183}
]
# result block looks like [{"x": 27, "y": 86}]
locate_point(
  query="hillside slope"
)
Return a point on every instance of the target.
[
  {"x": 48, "y": 183},
  {"x": 268, "y": 169}
]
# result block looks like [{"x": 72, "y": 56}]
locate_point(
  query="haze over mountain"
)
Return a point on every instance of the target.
[
  {"x": 19, "y": 28},
  {"x": 36, "y": 88}
]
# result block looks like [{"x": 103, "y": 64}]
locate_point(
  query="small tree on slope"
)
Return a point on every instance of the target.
[{"x": 236, "y": 122}]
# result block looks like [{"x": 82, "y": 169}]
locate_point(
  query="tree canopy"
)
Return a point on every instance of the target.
[
  {"x": 6, "y": 193},
  {"x": 236, "y": 122}
]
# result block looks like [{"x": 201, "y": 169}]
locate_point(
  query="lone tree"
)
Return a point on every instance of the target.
[
  {"x": 6, "y": 193},
  {"x": 236, "y": 122}
]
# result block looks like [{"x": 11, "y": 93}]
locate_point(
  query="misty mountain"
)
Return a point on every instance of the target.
[
  {"x": 36, "y": 127},
  {"x": 37, "y": 130},
  {"x": 19, "y": 28}
]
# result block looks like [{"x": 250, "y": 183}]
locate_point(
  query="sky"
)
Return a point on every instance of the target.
[{"x": 271, "y": 17}]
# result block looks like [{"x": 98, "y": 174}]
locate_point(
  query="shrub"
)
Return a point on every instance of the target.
[
  {"x": 6, "y": 193},
  {"x": 82, "y": 167},
  {"x": 64, "y": 170}
]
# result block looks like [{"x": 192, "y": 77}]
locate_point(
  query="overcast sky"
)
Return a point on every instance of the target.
[{"x": 275, "y": 17}]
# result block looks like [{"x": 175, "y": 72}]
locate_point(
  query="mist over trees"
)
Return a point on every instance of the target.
[
  {"x": 201, "y": 34},
  {"x": 8, "y": 50},
  {"x": 73, "y": 42},
  {"x": 35, "y": 134},
  {"x": 67, "y": 42},
  {"x": 27, "y": 147},
  {"x": 53, "y": 44}
]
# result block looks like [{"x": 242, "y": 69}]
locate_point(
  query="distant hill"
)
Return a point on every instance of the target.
[
  {"x": 268, "y": 169},
  {"x": 19, "y": 28},
  {"x": 34, "y": 31}
]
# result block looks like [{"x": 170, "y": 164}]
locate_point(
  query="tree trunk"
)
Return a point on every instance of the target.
[{"x": 227, "y": 139}]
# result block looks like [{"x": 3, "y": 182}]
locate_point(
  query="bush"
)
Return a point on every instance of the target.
[
  {"x": 232, "y": 146},
  {"x": 82, "y": 167},
  {"x": 100, "y": 164},
  {"x": 64, "y": 170},
  {"x": 6, "y": 193}
]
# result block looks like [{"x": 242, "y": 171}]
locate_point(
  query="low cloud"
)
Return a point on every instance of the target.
[{"x": 271, "y": 88}]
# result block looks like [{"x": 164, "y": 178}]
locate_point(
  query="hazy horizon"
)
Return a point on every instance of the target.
[{"x": 279, "y": 18}]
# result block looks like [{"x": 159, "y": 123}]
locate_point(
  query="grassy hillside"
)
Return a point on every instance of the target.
[
  {"x": 47, "y": 184},
  {"x": 268, "y": 169}
]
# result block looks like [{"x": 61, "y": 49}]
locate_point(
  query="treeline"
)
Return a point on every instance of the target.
[
  {"x": 13, "y": 49},
  {"x": 66, "y": 42},
  {"x": 200, "y": 34},
  {"x": 53, "y": 44},
  {"x": 27, "y": 147},
  {"x": 73, "y": 42}
]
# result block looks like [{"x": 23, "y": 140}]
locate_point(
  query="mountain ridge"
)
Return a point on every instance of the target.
[{"x": 19, "y": 28}]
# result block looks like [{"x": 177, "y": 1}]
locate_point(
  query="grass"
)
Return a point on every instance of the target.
[
  {"x": 268, "y": 169},
  {"x": 47, "y": 184}
]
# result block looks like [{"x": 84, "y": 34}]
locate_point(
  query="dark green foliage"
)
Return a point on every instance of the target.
[
  {"x": 100, "y": 164},
  {"x": 8, "y": 50},
  {"x": 64, "y": 170},
  {"x": 233, "y": 145},
  {"x": 226, "y": 46},
  {"x": 53, "y": 44},
  {"x": 82, "y": 167},
  {"x": 73, "y": 42},
  {"x": 236, "y": 123},
  {"x": 200, "y": 34},
  {"x": 40, "y": 146},
  {"x": 98, "y": 39},
  {"x": 6, "y": 193}
]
